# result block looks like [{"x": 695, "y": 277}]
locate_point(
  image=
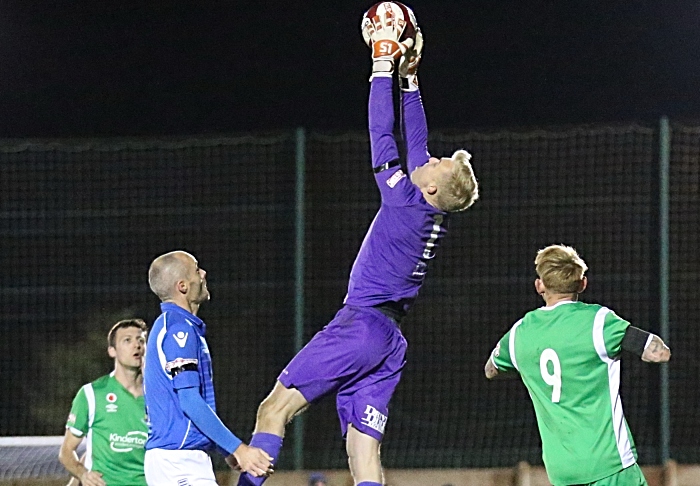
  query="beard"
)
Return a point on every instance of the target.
[{"x": 202, "y": 294}]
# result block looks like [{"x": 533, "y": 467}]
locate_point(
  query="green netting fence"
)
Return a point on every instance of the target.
[{"x": 81, "y": 220}]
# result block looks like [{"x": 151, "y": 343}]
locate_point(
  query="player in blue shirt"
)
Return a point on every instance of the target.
[
  {"x": 359, "y": 355},
  {"x": 178, "y": 386}
]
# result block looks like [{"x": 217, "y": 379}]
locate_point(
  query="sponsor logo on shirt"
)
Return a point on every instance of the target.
[
  {"x": 111, "y": 407},
  {"x": 393, "y": 180},
  {"x": 181, "y": 338},
  {"x": 374, "y": 419},
  {"x": 127, "y": 443}
]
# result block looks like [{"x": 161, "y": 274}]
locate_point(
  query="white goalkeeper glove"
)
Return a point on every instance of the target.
[
  {"x": 408, "y": 66},
  {"x": 382, "y": 35}
]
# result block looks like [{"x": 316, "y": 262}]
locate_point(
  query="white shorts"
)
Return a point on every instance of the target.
[{"x": 178, "y": 468}]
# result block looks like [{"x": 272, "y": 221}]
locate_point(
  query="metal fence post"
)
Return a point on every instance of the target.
[
  {"x": 664, "y": 162},
  {"x": 299, "y": 218}
]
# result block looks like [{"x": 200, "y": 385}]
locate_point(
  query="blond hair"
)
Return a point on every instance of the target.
[
  {"x": 461, "y": 188},
  {"x": 560, "y": 268}
]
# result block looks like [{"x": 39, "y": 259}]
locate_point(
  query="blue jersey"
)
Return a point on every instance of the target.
[
  {"x": 392, "y": 262},
  {"x": 176, "y": 341}
]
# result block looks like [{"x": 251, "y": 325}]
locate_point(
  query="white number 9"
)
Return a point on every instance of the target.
[{"x": 553, "y": 379}]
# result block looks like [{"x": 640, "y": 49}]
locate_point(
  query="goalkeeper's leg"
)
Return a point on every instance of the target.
[
  {"x": 273, "y": 415},
  {"x": 363, "y": 458}
]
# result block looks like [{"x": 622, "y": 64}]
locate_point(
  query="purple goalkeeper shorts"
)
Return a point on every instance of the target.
[{"x": 359, "y": 355}]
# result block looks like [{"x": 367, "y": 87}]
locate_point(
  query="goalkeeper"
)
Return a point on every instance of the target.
[
  {"x": 568, "y": 356},
  {"x": 110, "y": 413},
  {"x": 359, "y": 355}
]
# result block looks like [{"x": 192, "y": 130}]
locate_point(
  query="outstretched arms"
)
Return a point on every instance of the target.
[
  {"x": 381, "y": 123},
  {"x": 415, "y": 128},
  {"x": 393, "y": 183}
]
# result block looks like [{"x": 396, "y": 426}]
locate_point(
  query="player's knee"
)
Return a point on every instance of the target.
[{"x": 274, "y": 409}]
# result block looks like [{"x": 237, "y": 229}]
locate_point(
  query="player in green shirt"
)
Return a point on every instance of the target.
[
  {"x": 568, "y": 356},
  {"x": 110, "y": 413}
]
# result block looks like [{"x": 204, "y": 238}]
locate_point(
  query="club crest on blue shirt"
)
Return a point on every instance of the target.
[
  {"x": 181, "y": 338},
  {"x": 394, "y": 179}
]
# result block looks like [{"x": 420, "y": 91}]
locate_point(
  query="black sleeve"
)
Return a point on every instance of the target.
[{"x": 635, "y": 340}]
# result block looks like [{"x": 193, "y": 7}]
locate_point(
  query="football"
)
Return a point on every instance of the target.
[{"x": 403, "y": 16}]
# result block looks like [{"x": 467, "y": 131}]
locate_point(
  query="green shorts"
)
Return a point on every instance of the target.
[{"x": 631, "y": 476}]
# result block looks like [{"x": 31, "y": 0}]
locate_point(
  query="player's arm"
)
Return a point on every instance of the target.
[
  {"x": 181, "y": 350},
  {"x": 618, "y": 334},
  {"x": 385, "y": 154},
  {"x": 493, "y": 372},
  {"x": 648, "y": 346},
  {"x": 250, "y": 459},
  {"x": 206, "y": 420},
  {"x": 500, "y": 364},
  {"x": 490, "y": 369},
  {"x": 69, "y": 458},
  {"x": 77, "y": 426},
  {"x": 383, "y": 38},
  {"x": 415, "y": 125},
  {"x": 182, "y": 365}
]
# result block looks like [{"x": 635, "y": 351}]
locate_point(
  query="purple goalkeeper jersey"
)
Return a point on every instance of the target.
[{"x": 402, "y": 239}]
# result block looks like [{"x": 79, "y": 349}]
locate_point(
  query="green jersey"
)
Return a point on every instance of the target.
[
  {"x": 114, "y": 423},
  {"x": 568, "y": 357}
]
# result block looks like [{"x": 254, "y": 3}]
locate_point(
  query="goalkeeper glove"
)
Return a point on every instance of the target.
[
  {"x": 383, "y": 33},
  {"x": 408, "y": 66}
]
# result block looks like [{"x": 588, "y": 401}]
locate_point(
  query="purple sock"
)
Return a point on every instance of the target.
[
  {"x": 271, "y": 444},
  {"x": 368, "y": 483}
]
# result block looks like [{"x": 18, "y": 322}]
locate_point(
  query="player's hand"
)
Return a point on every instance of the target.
[
  {"x": 382, "y": 33},
  {"x": 252, "y": 460},
  {"x": 408, "y": 65},
  {"x": 92, "y": 478}
]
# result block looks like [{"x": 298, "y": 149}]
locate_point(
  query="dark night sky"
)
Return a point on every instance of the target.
[{"x": 179, "y": 67}]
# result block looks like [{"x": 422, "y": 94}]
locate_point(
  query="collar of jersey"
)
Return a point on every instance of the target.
[
  {"x": 558, "y": 304},
  {"x": 119, "y": 384},
  {"x": 170, "y": 307}
]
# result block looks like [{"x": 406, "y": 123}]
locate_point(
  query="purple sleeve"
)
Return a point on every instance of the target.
[
  {"x": 396, "y": 188},
  {"x": 381, "y": 122},
  {"x": 416, "y": 130}
]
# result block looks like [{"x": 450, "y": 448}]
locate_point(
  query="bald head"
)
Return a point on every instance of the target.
[{"x": 166, "y": 271}]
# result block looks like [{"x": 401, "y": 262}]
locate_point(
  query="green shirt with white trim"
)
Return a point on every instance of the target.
[
  {"x": 113, "y": 421},
  {"x": 568, "y": 357}
]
